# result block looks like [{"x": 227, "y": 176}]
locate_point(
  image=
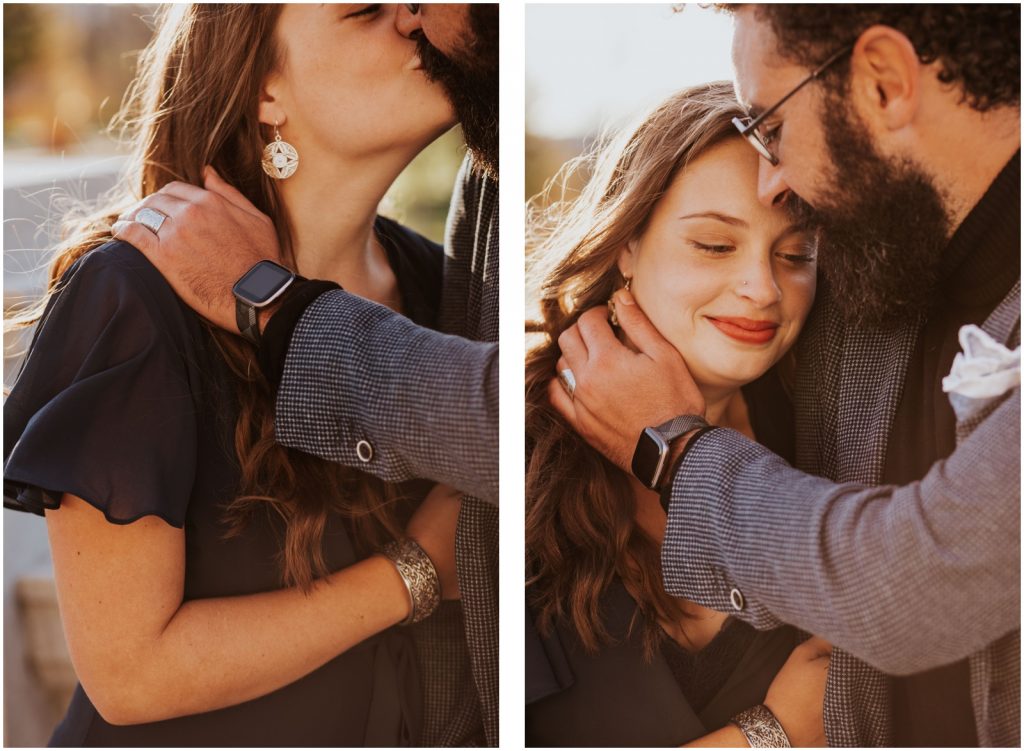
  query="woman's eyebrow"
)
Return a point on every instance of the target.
[{"x": 736, "y": 221}]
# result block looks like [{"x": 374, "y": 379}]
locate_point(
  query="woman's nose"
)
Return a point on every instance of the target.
[
  {"x": 408, "y": 19},
  {"x": 757, "y": 283}
]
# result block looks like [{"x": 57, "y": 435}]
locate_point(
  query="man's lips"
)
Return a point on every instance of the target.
[{"x": 745, "y": 329}]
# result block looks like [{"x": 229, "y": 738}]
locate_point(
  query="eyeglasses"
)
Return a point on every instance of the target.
[{"x": 748, "y": 127}]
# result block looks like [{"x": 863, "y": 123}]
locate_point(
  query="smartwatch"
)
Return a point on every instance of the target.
[
  {"x": 652, "y": 449},
  {"x": 258, "y": 287}
]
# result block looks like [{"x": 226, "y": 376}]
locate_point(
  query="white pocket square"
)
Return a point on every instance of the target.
[{"x": 984, "y": 369}]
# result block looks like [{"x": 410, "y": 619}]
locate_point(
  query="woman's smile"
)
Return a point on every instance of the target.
[{"x": 744, "y": 329}]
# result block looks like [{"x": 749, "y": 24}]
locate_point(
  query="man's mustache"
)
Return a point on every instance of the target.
[{"x": 436, "y": 65}]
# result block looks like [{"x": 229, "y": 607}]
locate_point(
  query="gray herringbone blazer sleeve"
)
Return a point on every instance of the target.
[
  {"x": 425, "y": 402},
  {"x": 905, "y": 578}
]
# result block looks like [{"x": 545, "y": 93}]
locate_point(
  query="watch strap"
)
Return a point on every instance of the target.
[
  {"x": 680, "y": 425},
  {"x": 247, "y": 319}
]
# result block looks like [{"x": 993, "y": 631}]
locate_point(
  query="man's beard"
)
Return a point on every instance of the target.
[
  {"x": 883, "y": 227},
  {"x": 470, "y": 79}
]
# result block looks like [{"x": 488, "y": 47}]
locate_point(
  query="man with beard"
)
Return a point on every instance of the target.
[
  {"x": 363, "y": 386},
  {"x": 896, "y": 130}
]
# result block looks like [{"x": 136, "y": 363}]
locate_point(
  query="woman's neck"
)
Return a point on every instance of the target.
[
  {"x": 331, "y": 207},
  {"x": 727, "y": 408}
]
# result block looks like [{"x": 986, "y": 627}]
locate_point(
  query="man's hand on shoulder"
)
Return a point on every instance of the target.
[
  {"x": 209, "y": 240},
  {"x": 620, "y": 392}
]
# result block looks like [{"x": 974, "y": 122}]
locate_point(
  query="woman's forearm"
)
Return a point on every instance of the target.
[
  {"x": 223, "y": 651},
  {"x": 727, "y": 737},
  {"x": 143, "y": 655}
]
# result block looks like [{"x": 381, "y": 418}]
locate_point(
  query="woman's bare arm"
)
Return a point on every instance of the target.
[
  {"x": 796, "y": 697},
  {"x": 143, "y": 655}
]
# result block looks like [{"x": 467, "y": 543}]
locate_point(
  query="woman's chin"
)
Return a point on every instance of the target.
[{"x": 729, "y": 374}]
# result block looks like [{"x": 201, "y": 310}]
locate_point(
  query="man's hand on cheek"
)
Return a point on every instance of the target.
[
  {"x": 209, "y": 240},
  {"x": 620, "y": 392}
]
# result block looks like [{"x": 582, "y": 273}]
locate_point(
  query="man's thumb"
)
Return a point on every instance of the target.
[{"x": 636, "y": 325}]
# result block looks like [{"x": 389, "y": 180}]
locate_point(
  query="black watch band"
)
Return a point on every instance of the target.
[
  {"x": 650, "y": 458},
  {"x": 247, "y": 320}
]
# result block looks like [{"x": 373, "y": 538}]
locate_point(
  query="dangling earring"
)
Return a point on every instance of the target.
[
  {"x": 280, "y": 159},
  {"x": 611, "y": 302}
]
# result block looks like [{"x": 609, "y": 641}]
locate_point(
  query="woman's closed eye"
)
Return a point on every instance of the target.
[
  {"x": 713, "y": 248},
  {"x": 366, "y": 10}
]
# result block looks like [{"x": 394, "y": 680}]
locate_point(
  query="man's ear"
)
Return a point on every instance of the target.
[{"x": 885, "y": 77}]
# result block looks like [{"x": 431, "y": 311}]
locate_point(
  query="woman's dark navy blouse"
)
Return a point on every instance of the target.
[
  {"x": 124, "y": 401},
  {"x": 616, "y": 697}
]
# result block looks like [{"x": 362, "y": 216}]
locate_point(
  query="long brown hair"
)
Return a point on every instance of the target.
[
  {"x": 581, "y": 528},
  {"x": 195, "y": 102}
]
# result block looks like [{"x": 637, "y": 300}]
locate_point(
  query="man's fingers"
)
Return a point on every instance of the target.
[
  {"x": 135, "y": 234},
  {"x": 165, "y": 203},
  {"x": 574, "y": 350},
  {"x": 596, "y": 331},
  {"x": 561, "y": 401},
  {"x": 636, "y": 325},
  {"x": 184, "y": 191},
  {"x": 216, "y": 184}
]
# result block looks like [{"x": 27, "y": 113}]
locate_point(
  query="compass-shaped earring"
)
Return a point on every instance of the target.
[{"x": 280, "y": 159}]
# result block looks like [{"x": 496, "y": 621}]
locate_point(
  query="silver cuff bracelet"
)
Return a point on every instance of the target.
[
  {"x": 761, "y": 728},
  {"x": 419, "y": 575}
]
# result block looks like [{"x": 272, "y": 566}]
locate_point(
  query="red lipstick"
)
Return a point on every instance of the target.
[{"x": 746, "y": 330}]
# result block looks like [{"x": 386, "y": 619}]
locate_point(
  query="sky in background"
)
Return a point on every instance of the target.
[{"x": 592, "y": 66}]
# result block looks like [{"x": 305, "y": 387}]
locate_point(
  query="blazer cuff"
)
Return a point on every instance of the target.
[
  {"x": 278, "y": 334},
  {"x": 666, "y": 490}
]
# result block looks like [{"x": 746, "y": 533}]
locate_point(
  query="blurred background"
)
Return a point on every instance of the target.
[
  {"x": 66, "y": 68},
  {"x": 591, "y": 68}
]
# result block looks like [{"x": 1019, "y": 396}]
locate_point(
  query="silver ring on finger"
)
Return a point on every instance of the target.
[
  {"x": 151, "y": 219},
  {"x": 568, "y": 381}
]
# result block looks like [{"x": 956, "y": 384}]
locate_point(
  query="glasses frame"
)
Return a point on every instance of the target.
[{"x": 747, "y": 126}]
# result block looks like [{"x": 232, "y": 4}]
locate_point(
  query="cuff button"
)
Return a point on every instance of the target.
[
  {"x": 736, "y": 598},
  {"x": 364, "y": 451}
]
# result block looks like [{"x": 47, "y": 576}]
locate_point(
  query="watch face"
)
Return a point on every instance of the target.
[
  {"x": 649, "y": 457},
  {"x": 262, "y": 283}
]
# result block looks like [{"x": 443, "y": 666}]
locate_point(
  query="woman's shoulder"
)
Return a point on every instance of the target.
[
  {"x": 117, "y": 265},
  {"x": 115, "y": 280}
]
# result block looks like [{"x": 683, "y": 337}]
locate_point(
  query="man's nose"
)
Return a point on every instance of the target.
[
  {"x": 772, "y": 189},
  {"x": 408, "y": 19}
]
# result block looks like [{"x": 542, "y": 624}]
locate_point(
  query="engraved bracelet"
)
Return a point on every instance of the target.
[
  {"x": 761, "y": 728},
  {"x": 419, "y": 575}
]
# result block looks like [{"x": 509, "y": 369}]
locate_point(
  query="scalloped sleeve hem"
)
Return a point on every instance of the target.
[{"x": 103, "y": 407}]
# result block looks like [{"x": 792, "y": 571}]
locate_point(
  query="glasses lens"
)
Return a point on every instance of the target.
[
  {"x": 762, "y": 148},
  {"x": 754, "y": 138}
]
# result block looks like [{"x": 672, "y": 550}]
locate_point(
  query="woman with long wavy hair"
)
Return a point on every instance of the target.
[
  {"x": 215, "y": 587},
  {"x": 670, "y": 212}
]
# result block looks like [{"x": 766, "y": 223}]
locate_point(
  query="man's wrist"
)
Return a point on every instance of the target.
[
  {"x": 677, "y": 449},
  {"x": 263, "y": 315},
  {"x": 281, "y": 320},
  {"x": 680, "y": 447}
]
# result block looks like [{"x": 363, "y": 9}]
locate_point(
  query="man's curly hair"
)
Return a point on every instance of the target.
[{"x": 977, "y": 46}]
